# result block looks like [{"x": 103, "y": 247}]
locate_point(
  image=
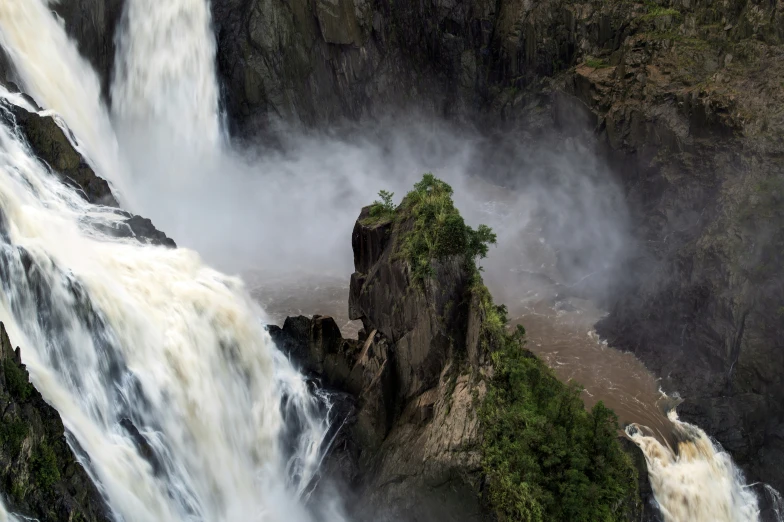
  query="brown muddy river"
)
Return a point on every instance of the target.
[{"x": 561, "y": 334}]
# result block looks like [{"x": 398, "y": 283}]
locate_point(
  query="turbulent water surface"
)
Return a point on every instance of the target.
[{"x": 115, "y": 332}]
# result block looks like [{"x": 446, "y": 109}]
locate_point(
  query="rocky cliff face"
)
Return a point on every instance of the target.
[
  {"x": 417, "y": 372},
  {"x": 38, "y": 471},
  {"x": 684, "y": 95}
]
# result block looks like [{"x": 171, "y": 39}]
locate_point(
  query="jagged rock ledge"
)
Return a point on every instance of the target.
[{"x": 51, "y": 145}]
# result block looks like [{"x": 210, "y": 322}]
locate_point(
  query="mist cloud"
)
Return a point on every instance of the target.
[{"x": 290, "y": 208}]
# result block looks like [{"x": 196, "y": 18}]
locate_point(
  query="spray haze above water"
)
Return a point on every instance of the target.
[{"x": 156, "y": 338}]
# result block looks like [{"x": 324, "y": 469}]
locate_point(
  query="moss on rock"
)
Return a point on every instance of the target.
[{"x": 38, "y": 472}]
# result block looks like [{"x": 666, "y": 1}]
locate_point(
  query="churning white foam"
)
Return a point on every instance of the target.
[{"x": 697, "y": 481}]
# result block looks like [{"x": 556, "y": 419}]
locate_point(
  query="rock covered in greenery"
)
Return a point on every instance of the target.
[
  {"x": 455, "y": 420},
  {"x": 39, "y": 474}
]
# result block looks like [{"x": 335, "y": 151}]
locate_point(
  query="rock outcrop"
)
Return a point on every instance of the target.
[
  {"x": 51, "y": 145},
  {"x": 39, "y": 473},
  {"x": 412, "y": 446}
]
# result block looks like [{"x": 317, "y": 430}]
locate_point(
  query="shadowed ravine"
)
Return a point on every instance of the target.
[{"x": 131, "y": 341}]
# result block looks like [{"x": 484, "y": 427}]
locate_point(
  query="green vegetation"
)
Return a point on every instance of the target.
[
  {"x": 595, "y": 63},
  {"x": 655, "y": 10},
  {"x": 382, "y": 211},
  {"x": 44, "y": 466},
  {"x": 12, "y": 434},
  {"x": 546, "y": 457},
  {"x": 658, "y": 12},
  {"x": 438, "y": 230},
  {"x": 16, "y": 381}
]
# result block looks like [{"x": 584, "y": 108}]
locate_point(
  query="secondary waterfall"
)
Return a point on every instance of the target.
[
  {"x": 114, "y": 332},
  {"x": 698, "y": 480},
  {"x": 164, "y": 78}
]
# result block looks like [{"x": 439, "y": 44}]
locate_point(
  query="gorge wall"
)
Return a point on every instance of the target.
[{"x": 685, "y": 96}]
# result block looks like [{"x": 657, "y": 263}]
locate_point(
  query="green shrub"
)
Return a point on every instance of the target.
[
  {"x": 12, "y": 434},
  {"x": 381, "y": 211},
  {"x": 595, "y": 63},
  {"x": 438, "y": 230},
  {"x": 657, "y": 11},
  {"x": 44, "y": 466},
  {"x": 16, "y": 381},
  {"x": 545, "y": 457}
]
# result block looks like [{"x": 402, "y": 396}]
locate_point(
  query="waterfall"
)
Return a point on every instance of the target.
[
  {"x": 121, "y": 337},
  {"x": 165, "y": 85},
  {"x": 60, "y": 79},
  {"x": 127, "y": 340},
  {"x": 697, "y": 481}
]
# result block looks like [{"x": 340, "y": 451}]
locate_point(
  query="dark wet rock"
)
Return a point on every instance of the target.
[
  {"x": 143, "y": 445},
  {"x": 145, "y": 231},
  {"x": 52, "y": 146},
  {"x": 39, "y": 473},
  {"x": 50, "y": 143},
  {"x": 93, "y": 24}
]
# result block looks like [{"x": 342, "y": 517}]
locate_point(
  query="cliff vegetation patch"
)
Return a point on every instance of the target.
[
  {"x": 545, "y": 457},
  {"x": 438, "y": 230}
]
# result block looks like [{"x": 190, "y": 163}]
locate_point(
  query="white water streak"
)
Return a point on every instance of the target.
[
  {"x": 698, "y": 482},
  {"x": 59, "y": 78},
  {"x": 165, "y": 80}
]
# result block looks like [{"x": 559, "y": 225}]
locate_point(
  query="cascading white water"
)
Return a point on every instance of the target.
[
  {"x": 117, "y": 334},
  {"x": 697, "y": 481},
  {"x": 164, "y": 79},
  {"x": 58, "y": 78},
  {"x": 148, "y": 334}
]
